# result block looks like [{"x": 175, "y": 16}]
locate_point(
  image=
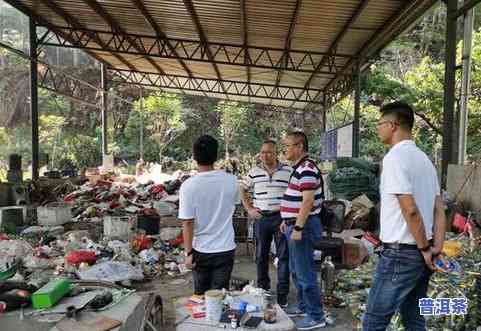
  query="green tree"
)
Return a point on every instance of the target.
[
  {"x": 233, "y": 115},
  {"x": 162, "y": 118},
  {"x": 50, "y": 129}
]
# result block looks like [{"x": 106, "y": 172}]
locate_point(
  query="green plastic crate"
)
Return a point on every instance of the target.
[{"x": 50, "y": 293}]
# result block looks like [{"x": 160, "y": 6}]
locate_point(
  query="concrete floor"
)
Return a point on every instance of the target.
[{"x": 245, "y": 268}]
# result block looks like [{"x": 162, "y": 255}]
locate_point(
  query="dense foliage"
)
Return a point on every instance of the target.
[{"x": 410, "y": 69}]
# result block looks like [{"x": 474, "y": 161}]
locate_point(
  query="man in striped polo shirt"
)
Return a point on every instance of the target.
[
  {"x": 268, "y": 183},
  {"x": 300, "y": 209}
]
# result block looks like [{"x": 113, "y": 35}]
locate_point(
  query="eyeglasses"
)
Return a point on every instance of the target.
[{"x": 378, "y": 124}]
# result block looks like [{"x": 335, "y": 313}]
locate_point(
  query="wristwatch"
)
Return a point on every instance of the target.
[
  {"x": 298, "y": 228},
  {"x": 189, "y": 253}
]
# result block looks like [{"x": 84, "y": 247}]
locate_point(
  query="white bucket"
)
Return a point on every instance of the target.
[{"x": 213, "y": 305}]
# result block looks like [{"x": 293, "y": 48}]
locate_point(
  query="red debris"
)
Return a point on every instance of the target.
[
  {"x": 77, "y": 257},
  {"x": 141, "y": 242},
  {"x": 114, "y": 204},
  {"x": 177, "y": 241},
  {"x": 150, "y": 212},
  {"x": 70, "y": 197},
  {"x": 103, "y": 183},
  {"x": 159, "y": 188}
]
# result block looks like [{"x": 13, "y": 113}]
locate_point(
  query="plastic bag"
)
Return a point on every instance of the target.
[
  {"x": 164, "y": 208},
  {"x": 35, "y": 262},
  {"x": 15, "y": 248},
  {"x": 149, "y": 255},
  {"x": 111, "y": 272},
  {"x": 167, "y": 234}
]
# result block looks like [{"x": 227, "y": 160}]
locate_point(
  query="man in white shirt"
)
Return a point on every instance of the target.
[
  {"x": 413, "y": 225},
  {"x": 206, "y": 205},
  {"x": 268, "y": 183}
]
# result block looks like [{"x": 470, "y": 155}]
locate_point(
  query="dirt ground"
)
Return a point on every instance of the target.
[{"x": 244, "y": 267}]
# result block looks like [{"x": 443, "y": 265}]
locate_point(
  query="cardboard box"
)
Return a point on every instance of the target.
[
  {"x": 93, "y": 179},
  {"x": 359, "y": 213},
  {"x": 355, "y": 253}
]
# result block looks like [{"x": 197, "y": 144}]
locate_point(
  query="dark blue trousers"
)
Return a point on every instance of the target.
[{"x": 266, "y": 230}]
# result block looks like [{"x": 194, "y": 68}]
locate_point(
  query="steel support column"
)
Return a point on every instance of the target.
[
  {"x": 467, "y": 6},
  {"x": 324, "y": 119},
  {"x": 34, "y": 99},
  {"x": 449, "y": 90},
  {"x": 141, "y": 124},
  {"x": 465, "y": 85},
  {"x": 357, "y": 112},
  {"x": 103, "y": 81}
]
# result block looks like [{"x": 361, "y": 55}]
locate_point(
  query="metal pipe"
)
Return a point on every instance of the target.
[
  {"x": 324, "y": 119},
  {"x": 465, "y": 84},
  {"x": 34, "y": 98},
  {"x": 449, "y": 90},
  {"x": 103, "y": 80},
  {"x": 357, "y": 112},
  {"x": 467, "y": 6},
  {"x": 141, "y": 124}
]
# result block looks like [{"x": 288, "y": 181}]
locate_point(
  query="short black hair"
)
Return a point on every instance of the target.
[
  {"x": 205, "y": 150},
  {"x": 302, "y": 136},
  {"x": 403, "y": 113},
  {"x": 269, "y": 141}
]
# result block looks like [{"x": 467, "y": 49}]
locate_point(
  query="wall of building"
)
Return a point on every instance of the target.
[{"x": 464, "y": 182}]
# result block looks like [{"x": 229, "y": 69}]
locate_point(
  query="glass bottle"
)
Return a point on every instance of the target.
[{"x": 270, "y": 311}]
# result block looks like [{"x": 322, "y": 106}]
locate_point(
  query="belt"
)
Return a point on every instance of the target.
[
  {"x": 290, "y": 221},
  {"x": 401, "y": 246},
  {"x": 268, "y": 213}
]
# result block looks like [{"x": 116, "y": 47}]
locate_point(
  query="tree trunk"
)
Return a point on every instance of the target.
[
  {"x": 226, "y": 143},
  {"x": 160, "y": 159}
]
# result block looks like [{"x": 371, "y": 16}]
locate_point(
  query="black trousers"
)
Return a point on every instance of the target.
[{"x": 212, "y": 270}]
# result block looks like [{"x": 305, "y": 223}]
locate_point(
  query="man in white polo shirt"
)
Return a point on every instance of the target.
[
  {"x": 413, "y": 225},
  {"x": 206, "y": 205},
  {"x": 268, "y": 182}
]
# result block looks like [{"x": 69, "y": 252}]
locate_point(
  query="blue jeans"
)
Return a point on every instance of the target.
[
  {"x": 266, "y": 229},
  {"x": 401, "y": 278},
  {"x": 303, "y": 269}
]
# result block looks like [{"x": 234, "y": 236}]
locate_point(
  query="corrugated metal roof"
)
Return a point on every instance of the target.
[{"x": 245, "y": 41}]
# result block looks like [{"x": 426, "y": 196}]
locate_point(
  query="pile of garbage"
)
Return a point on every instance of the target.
[
  {"x": 108, "y": 197},
  {"x": 465, "y": 282},
  {"x": 353, "y": 177},
  {"x": 103, "y": 230},
  {"x": 38, "y": 257}
]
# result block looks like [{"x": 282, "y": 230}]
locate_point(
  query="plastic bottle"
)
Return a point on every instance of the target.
[
  {"x": 450, "y": 267},
  {"x": 447, "y": 265}
]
